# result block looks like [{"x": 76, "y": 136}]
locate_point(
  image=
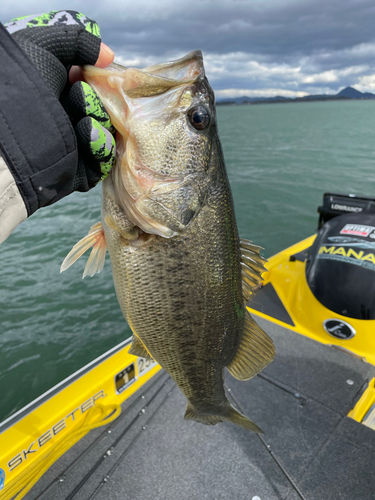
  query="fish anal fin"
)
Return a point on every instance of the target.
[
  {"x": 138, "y": 348},
  {"x": 255, "y": 352},
  {"x": 226, "y": 414},
  {"x": 94, "y": 239}
]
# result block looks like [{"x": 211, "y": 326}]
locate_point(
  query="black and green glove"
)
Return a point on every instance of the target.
[
  {"x": 94, "y": 131},
  {"x": 43, "y": 158}
]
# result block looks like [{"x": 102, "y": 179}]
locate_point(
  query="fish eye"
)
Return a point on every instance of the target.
[{"x": 199, "y": 117}]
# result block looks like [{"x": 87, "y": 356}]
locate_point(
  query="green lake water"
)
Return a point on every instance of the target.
[{"x": 281, "y": 158}]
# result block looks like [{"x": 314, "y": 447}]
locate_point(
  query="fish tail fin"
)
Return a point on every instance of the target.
[
  {"x": 228, "y": 414},
  {"x": 94, "y": 239}
]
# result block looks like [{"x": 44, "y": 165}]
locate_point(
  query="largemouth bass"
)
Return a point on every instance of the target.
[{"x": 181, "y": 273}]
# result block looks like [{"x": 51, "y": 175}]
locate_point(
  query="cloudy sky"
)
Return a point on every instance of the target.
[{"x": 250, "y": 47}]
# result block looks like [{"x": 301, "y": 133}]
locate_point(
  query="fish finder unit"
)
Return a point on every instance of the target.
[{"x": 335, "y": 204}]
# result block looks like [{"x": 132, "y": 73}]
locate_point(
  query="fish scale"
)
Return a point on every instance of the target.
[{"x": 176, "y": 258}]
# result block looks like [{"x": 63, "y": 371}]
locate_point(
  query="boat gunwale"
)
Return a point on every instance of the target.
[{"x": 23, "y": 412}]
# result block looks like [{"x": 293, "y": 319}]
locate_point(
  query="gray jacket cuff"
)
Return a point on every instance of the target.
[{"x": 12, "y": 206}]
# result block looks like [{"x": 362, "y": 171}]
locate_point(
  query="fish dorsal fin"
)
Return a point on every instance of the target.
[
  {"x": 138, "y": 348},
  {"x": 254, "y": 353},
  {"x": 94, "y": 239},
  {"x": 252, "y": 266}
]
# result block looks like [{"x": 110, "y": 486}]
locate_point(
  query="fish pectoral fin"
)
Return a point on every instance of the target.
[
  {"x": 94, "y": 239},
  {"x": 255, "y": 352},
  {"x": 226, "y": 414},
  {"x": 252, "y": 267},
  {"x": 138, "y": 348}
]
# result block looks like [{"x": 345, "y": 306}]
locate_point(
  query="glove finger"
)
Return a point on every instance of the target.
[
  {"x": 51, "y": 69},
  {"x": 97, "y": 148},
  {"x": 68, "y": 35},
  {"x": 83, "y": 101}
]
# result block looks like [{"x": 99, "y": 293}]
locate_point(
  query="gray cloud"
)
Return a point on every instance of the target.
[{"x": 291, "y": 45}]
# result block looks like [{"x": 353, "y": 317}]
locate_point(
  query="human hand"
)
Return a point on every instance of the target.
[{"x": 54, "y": 41}]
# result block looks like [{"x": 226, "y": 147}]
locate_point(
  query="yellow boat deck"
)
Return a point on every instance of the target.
[{"x": 311, "y": 449}]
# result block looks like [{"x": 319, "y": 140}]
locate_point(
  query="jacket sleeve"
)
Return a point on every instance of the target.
[
  {"x": 38, "y": 146},
  {"x": 12, "y": 207}
]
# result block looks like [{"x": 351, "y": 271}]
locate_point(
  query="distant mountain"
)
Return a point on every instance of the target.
[
  {"x": 355, "y": 94},
  {"x": 241, "y": 100},
  {"x": 347, "y": 93},
  {"x": 246, "y": 99}
]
